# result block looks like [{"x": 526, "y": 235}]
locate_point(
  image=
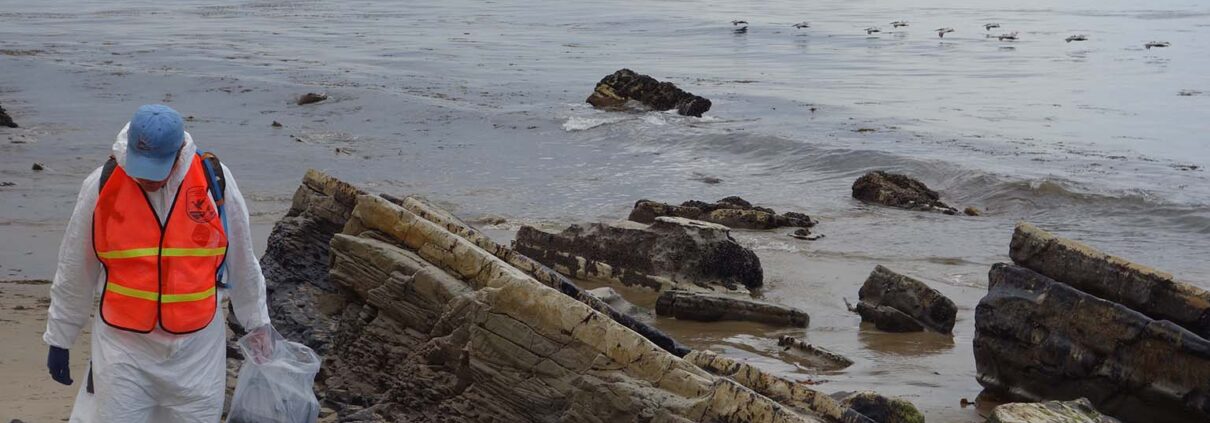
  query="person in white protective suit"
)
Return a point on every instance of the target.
[{"x": 158, "y": 341}]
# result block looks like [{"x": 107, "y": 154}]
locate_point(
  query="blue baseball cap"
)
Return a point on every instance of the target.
[{"x": 155, "y": 136}]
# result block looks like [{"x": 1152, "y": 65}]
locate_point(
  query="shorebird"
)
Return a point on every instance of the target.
[
  {"x": 1077, "y": 37},
  {"x": 742, "y": 29},
  {"x": 942, "y": 31},
  {"x": 990, "y": 26},
  {"x": 897, "y": 24},
  {"x": 802, "y": 25},
  {"x": 1160, "y": 44},
  {"x": 1012, "y": 36},
  {"x": 872, "y": 30}
]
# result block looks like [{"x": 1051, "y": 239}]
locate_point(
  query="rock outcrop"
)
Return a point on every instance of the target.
[
  {"x": 5, "y": 120},
  {"x": 671, "y": 253},
  {"x": 732, "y": 212},
  {"x": 1145, "y": 290},
  {"x": 713, "y": 307},
  {"x": 814, "y": 356},
  {"x": 418, "y": 321},
  {"x": 625, "y": 85},
  {"x": 897, "y": 303},
  {"x": 785, "y": 391},
  {"x": 902, "y": 191},
  {"x": 1039, "y": 339},
  {"x": 1078, "y": 411},
  {"x": 882, "y": 409}
]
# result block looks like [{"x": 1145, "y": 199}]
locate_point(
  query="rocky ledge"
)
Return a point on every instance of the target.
[
  {"x": 732, "y": 212},
  {"x": 421, "y": 318},
  {"x": 1078, "y": 411},
  {"x": 670, "y": 253},
  {"x": 625, "y": 85},
  {"x": 713, "y": 307},
  {"x": 901, "y": 191},
  {"x": 1038, "y": 338},
  {"x": 897, "y": 303}
]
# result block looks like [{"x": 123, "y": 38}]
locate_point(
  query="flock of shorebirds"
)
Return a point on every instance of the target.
[{"x": 741, "y": 27}]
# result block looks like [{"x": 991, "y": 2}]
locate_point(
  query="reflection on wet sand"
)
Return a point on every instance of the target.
[{"x": 904, "y": 344}]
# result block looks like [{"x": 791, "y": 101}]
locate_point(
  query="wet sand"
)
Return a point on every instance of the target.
[{"x": 27, "y": 391}]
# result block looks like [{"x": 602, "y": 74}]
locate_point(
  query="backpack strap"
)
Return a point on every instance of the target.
[
  {"x": 217, "y": 182},
  {"x": 106, "y": 171}
]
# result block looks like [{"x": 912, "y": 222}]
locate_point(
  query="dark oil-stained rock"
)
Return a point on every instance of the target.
[
  {"x": 309, "y": 98},
  {"x": 5, "y": 120},
  {"x": 902, "y": 191},
  {"x": 882, "y": 409},
  {"x": 796, "y": 395},
  {"x": 713, "y": 307},
  {"x": 897, "y": 303},
  {"x": 1149, "y": 291},
  {"x": 816, "y": 357},
  {"x": 624, "y": 85},
  {"x": 669, "y": 253},
  {"x": 1038, "y": 339},
  {"x": 1077, "y": 411},
  {"x": 732, "y": 212}
]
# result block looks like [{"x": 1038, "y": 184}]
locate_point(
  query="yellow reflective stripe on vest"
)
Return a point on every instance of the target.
[
  {"x": 152, "y": 296},
  {"x": 194, "y": 252},
  {"x": 168, "y": 252},
  {"x": 121, "y": 254}
]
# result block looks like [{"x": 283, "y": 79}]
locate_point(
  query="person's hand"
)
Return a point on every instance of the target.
[
  {"x": 261, "y": 343},
  {"x": 57, "y": 363}
]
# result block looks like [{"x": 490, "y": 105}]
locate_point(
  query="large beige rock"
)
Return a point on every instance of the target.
[
  {"x": 446, "y": 322},
  {"x": 418, "y": 322},
  {"x": 794, "y": 394},
  {"x": 1145, "y": 290},
  {"x": 1078, "y": 411},
  {"x": 671, "y": 253},
  {"x": 1038, "y": 339}
]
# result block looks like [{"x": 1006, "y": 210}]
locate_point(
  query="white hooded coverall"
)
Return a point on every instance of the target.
[{"x": 154, "y": 377}]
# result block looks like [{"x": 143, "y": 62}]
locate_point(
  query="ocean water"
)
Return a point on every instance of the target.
[{"x": 480, "y": 106}]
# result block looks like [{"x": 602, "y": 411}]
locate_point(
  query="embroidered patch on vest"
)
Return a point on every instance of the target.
[{"x": 198, "y": 206}]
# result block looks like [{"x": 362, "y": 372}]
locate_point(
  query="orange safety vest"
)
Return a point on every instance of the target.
[{"x": 158, "y": 273}]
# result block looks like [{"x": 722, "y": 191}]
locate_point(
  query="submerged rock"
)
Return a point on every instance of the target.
[
  {"x": 902, "y": 191},
  {"x": 897, "y": 303},
  {"x": 619, "y": 303},
  {"x": 5, "y": 120},
  {"x": 882, "y": 409},
  {"x": 1145, "y": 290},
  {"x": 818, "y": 357},
  {"x": 309, "y": 98},
  {"x": 732, "y": 212},
  {"x": 1038, "y": 339},
  {"x": 712, "y": 307},
  {"x": 1078, "y": 411},
  {"x": 624, "y": 85},
  {"x": 432, "y": 326},
  {"x": 669, "y": 253}
]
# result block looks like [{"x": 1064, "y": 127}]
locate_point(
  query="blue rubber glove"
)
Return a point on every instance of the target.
[{"x": 56, "y": 361}]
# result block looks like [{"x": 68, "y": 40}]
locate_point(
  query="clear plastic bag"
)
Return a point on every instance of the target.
[{"x": 276, "y": 387}]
